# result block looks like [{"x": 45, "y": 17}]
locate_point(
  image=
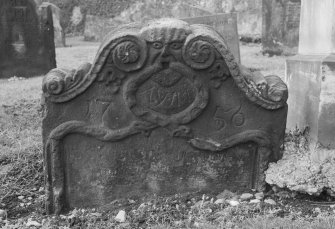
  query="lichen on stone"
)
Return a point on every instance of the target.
[{"x": 304, "y": 168}]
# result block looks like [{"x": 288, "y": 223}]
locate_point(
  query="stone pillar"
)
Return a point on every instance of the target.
[{"x": 310, "y": 75}]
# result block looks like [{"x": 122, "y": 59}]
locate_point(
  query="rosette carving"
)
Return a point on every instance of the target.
[
  {"x": 129, "y": 54},
  {"x": 198, "y": 53}
]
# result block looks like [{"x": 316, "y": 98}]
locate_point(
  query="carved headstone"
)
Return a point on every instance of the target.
[
  {"x": 165, "y": 108},
  {"x": 26, "y": 41},
  {"x": 225, "y": 25}
]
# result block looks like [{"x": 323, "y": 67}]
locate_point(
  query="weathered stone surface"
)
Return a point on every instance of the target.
[
  {"x": 310, "y": 78},
  {"x": 233, "y": 203},
  {"x": 302, "y": 170},
  {"x": 280, "y": 33},
  {"x": 26, "y": 42},
  {"x": 270, "y": 201},
  {"x": 59, "y": 33},
  {"x": 317, "y": 27},
  {"x": 246, "y": 196},
  {"x": 164, "y": 109},
  {"x": 121, "y": 217},
  {"x": 220, "y": 201},
  {"x": 313, "y": 101},
  {"x": 226, "y": 25},
  {"x": 255, "y": 201},
  {"x": 259, "y": 195}
]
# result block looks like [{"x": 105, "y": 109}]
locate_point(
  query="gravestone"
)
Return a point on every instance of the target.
[
  {"x": 165, "y": 108},
  {"x": 182, "y": 10},
  {"x": 225, "y": 25},
  {"x": 26, "y": 41},
  {"x": 280, "y": 33},
  {"x": 310, "y": 74},
  {"x": 96, "y": 27},
  {"x": 59, "y": 33}
]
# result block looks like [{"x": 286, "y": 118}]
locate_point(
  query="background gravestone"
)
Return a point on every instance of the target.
[
  {"x": 59, "y": 33},
  {"x": 164, "y": 109},
  {"x": 310, "y": 74},
  {"x": 226, "y": 25},
  {"x": 280, "y": 33},
  {"x": 26, "y": 42}
]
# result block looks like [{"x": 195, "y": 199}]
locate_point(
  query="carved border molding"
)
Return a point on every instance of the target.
[
  {"x": 127, "y": 51},
  {"x": 183, "y": 117},
  {"x": 55, "y": 189}
]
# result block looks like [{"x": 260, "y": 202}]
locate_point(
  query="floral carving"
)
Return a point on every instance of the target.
[
  {"x": 200, "y": 51},
  {"x": 127, "y": 52},
  {"x": 199, "y": 54}
]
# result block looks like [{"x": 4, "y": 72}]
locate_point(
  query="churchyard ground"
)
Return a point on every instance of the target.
[{"x": 21, "y": 172}]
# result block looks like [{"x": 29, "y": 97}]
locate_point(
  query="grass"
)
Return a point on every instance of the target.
[{"x": 21, "y": 175}]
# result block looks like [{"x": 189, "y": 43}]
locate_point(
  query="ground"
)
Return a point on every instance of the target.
[{"x": 21, "y": 173}]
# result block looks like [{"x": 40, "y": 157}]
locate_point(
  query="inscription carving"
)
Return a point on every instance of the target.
[
  {"x": 224, "y": 115},
  {"x": 170, "y": 100},
  {"x": 164, "y": 96}
]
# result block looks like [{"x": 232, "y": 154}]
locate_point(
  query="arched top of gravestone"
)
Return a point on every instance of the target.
[{"x": 165, "y": 50}]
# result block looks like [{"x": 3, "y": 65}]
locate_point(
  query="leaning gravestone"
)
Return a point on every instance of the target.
[
  {"x": 26, "y": 39},
  {"x": 226, "y": 25},
  {"x": 164, "y": 109}
]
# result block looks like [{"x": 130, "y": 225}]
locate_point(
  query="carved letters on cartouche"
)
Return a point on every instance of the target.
[{"x": 166, "y": 74}]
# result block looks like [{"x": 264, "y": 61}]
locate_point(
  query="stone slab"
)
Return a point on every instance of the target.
[
  {"x": 59, "y": 33},
  {"x": 164, "y": 109},
  {"x": 280, "y": 33},
  {"x": 225, "y": 25},
  {"x": 311, "y": 83},
  {"x": 26, "y": 44},
  {"x": 317, "y": 27}
]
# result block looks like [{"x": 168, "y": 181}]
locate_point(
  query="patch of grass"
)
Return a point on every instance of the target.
[{"x": 21, "y": 157}]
